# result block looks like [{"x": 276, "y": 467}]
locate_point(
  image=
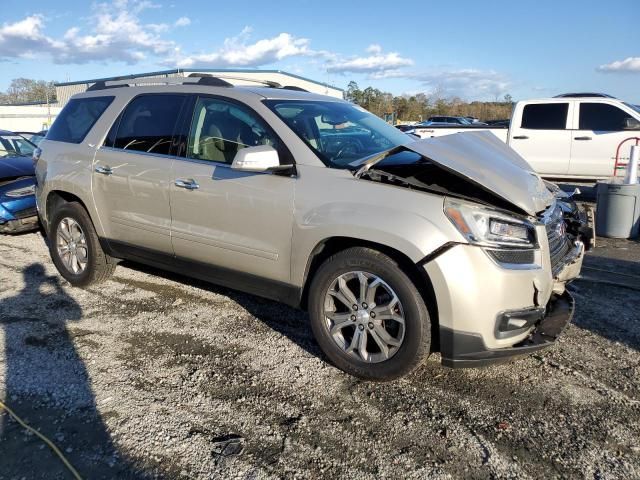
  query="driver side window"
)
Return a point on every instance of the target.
[{"x": 219, "y": 129}]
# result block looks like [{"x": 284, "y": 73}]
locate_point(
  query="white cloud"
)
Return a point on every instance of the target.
[
  {"x": 465, "y": 83},
  {"x": 183, "y": 22},
  {"x": 376, "y": 63},
  {"x": 25, "y": 37},
  {"x": 628, "y": 65},
  {"x": 239, "y": 52},
  {"x": 117, "y": 34}
]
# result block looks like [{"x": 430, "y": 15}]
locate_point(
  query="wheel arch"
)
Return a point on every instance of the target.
[
  {"x": 56, "y": 198},
  {"x": 332, "y": 245}
]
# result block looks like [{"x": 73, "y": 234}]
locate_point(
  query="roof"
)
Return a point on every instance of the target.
[
  {"x": 269, "y": 93},
  {"x": 190, "y": 70}
]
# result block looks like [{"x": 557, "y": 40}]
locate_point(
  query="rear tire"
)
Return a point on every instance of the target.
[
  {"x": 75, "y": 248},
  {"x": 374, "y": 338}
]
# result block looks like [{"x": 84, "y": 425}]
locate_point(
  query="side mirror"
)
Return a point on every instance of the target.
[
  {"x": 262, "y": 158},
  {"x": 631, "y": 123}
]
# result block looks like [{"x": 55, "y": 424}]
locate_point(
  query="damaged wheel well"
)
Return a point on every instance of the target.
[{"x": 418, "y": 275}]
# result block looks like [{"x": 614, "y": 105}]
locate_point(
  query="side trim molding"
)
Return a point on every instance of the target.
[{"x": 237, "y": 280}]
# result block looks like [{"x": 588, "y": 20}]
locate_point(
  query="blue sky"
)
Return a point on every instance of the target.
[{"x": 476, "y": 49}]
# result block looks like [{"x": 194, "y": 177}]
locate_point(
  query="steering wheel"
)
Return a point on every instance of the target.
[{"x": 348, "y": 147}]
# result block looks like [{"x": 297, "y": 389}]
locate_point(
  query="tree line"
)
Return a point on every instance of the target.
[
  {"x": 403, "y": 108},
  {"x": 26, "y": 90},
  {"x": 419, "y": 107}
]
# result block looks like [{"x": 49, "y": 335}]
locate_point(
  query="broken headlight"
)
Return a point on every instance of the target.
[{"x": 487, "y": 227}]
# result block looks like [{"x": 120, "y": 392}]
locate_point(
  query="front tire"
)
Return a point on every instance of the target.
[
  {"x": 368, "y": 316},
  {"x": 75, "y": 248}
]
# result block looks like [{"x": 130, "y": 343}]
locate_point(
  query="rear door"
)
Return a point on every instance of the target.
[
  {"x": 240, "y": 221},
  {"x": 543, "y": 138},
  {"x": 132, "y": 173},
  {"x": 594, "y": 143}
]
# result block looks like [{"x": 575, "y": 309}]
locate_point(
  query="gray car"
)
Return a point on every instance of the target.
[{"x": 396, "y": 248}]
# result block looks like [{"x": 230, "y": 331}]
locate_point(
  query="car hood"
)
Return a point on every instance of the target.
[
  {"x": 485, "y": 160},
  {"x": 12, "y": 167}
]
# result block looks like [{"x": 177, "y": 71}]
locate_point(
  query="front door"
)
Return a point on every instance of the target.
[
  {"x": 594, "y": 144},
  {"x": 542, "y": 138},
  {"x": 238, "y": 221},
  {"x": 132, "y": 173}
]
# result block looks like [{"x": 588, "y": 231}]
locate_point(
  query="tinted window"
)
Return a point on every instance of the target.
[
  {"x": 219, "y": 129},
  {"x": 601, "y": 117},
  {"x": 76, "y": 119},
  {"x": 148, "y": 123},
  {"x": 545, "y": 116}
]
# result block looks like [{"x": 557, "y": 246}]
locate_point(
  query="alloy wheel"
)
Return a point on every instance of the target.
[
  {"x": 71, "y": 244},
  {"x": 364, "y": 316}
]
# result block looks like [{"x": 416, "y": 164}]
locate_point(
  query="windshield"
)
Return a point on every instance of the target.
[
  {"x": 339, "y": 133},
  {"x": 633, "y": 107},
  {"x": 15, "y": 145}
]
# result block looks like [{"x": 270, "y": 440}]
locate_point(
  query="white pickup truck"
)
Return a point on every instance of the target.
[{"x": 568, "y": 136}]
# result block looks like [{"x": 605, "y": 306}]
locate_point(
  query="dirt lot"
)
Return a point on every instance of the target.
[{"x": 154, "y": 375}]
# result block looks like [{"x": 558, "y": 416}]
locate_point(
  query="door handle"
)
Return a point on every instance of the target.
[
  {"x": 521, "y": 137},
  {"x": 582, "y": 138},
  {"x": 188, "y": 184},
  {"x": 106, "y": 170}
]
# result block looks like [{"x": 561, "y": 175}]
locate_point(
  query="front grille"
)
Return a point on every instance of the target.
[
  {"x": 559, "y": 244},
  {"x": 513, "y": 257}
]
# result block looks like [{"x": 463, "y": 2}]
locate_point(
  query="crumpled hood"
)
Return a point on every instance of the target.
[
  {"x": 11, "y": 167},
  {"x": 484, "y": 159}
]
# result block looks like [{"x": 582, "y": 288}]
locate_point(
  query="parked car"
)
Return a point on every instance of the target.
[
  {"x": 404, "y": 127},
  {"x": 17, "y": 184},
  {"x": 571, "y": 136},
  {"x": 396, "y": 248},
  {"x": 451, "y": 120}
]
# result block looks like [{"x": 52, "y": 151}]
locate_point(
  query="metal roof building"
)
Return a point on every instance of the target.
[{"x": 64, "y": 91}]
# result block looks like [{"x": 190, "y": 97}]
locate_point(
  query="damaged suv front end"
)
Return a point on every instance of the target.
[{"x": 501, "y": 288}]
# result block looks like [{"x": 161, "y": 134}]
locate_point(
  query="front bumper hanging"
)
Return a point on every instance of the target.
[{"x": 464, "y": 350}]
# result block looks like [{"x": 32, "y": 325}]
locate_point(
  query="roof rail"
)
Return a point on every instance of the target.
[
  {"x": 198, "y": 79},
  {"x": 293, "y": 87},
  {"x": 268, "y": 83},
  {"x": 208, "y": 79},
  {"x": 583, "y": 95},
  {"x": 202, "y": 79}
]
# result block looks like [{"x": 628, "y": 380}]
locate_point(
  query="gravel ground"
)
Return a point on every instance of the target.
[{"x": 155, "y": 375}]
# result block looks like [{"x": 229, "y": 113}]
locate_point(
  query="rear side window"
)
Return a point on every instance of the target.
[
  {"x": 77, "y": 118},
  {"x": 147, "y": 124},
  {"x": 602, "y": 117},
  {"x": 545, "y": 116}
]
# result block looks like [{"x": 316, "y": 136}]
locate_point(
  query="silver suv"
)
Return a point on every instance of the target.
[{"x": 397, "y": 248}]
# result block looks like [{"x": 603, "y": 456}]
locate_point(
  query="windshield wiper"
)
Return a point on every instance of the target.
[{"x": 367, "y": 162}]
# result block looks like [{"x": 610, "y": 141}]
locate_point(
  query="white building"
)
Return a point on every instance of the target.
[
  {"x": 66, "y": 90},
  {"x": 27, "y": 118}
]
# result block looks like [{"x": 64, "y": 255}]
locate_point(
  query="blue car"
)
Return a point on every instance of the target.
[{"x": 17, "y": 184}]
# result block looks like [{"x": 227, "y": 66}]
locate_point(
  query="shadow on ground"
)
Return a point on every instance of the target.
[{"x": 47, "y": 384}]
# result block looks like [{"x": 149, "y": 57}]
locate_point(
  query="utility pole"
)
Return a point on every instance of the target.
[{"x": 48, "y": 107}]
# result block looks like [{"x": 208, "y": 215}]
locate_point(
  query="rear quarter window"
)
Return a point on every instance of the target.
[{"x": 77, "y": 118}]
